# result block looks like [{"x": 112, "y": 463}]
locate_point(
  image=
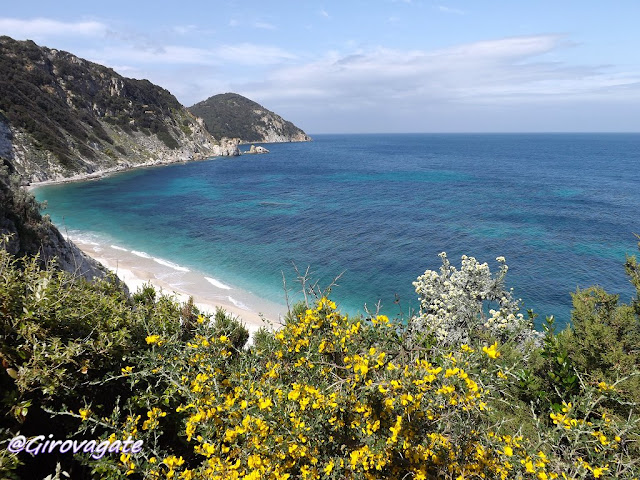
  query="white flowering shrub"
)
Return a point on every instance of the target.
[{"x": 457, "y": 304}]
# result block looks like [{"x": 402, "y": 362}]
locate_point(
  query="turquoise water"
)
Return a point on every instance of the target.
[{"x": 562, "y": 209}]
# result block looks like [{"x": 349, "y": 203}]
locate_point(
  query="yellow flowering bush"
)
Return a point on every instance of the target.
[
  {"x": 333, "y": 397},
  {"x": 326, "y": 396}
]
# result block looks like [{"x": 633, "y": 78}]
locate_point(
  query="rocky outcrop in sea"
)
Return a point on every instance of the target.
[{"x": 256, "y": 150}]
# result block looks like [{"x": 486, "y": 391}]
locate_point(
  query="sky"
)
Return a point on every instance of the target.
[{"x": 374, "y": 66}]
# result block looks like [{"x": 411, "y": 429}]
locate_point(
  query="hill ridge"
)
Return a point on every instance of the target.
[{"x": 234, "y": 116}]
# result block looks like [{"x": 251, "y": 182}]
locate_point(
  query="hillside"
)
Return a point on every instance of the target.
[
  {"x": 234, "y": 116},
  {"x": 24, "y": 231},
  {"x": 61, "y": 116}
]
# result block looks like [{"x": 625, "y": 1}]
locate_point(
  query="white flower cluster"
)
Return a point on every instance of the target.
[{"x": 454, "y": 303}]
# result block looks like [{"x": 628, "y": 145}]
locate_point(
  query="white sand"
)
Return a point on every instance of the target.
[{"x": 137, "y": 268}]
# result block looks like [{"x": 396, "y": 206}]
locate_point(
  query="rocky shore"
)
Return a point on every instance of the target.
[{"x": 224, "y": 149}]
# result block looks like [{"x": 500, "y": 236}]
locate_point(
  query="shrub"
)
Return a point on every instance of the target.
[
  {"x": 168, "y": 139},
  {"x": 329, "y": 396},
  {"x": 603, "y": 339},
  {"x": 326, "y": 396},
  {"x": 454, "y": 304}
]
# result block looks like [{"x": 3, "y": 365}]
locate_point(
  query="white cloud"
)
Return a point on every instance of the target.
[
  {"x": 192, "y": 30},
  {"x": 324, "y": 13},
  {"x": 264, "y": 26},
  {"x": 41, "y": 27},
  {"x": 185, "y": 29},
  {"x": 454, "y": 11},
  {"x": 499, "y": 71},
  {"x": 155, "y": 56},
  {"x": 367, "y": 85},
  {"x": 251, "y": 54}
]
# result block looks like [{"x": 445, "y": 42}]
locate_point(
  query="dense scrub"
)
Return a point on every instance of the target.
[
  {"x": 464, "y": 389},
  {"x": 325, "y": 396}
]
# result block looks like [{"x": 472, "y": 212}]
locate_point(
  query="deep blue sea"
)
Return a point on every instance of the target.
[{"x": 562, "y": 209}]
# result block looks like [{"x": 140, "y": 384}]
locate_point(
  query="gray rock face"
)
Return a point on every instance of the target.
[
  {"x": 69, "y": 257},
  {"x": 28, "y": 233},
  {"x": 6, "y": 138},
  {"x": 35, "y": 165},
  {"x": 53, "y": 247}
]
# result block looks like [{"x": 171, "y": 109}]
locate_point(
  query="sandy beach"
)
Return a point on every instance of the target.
[{"x": 136, "y": 268}]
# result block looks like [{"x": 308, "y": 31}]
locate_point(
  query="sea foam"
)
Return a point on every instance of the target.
[
  {"x": 238, "y": 303},
  {"x": 217, "y": 283},
  {"x": 169, "y": 264}
]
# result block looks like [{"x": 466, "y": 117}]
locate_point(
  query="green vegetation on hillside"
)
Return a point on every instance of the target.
[
  {"x": 234, "y": 116},
  {"x": 20, "y": 215},
  {"x": 458, "y": 391},
  {"x": 58, "y": 99}
]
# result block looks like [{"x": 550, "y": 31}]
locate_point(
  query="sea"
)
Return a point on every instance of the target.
[{"x": 375, "y": 210}]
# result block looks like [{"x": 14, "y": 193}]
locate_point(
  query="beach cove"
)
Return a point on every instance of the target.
[
  {"x": 379, "y": 208},
  {"x": 137, "y": 268}
]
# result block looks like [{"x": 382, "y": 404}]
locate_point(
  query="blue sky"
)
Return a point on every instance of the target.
[{"x": 370, "y": 66}]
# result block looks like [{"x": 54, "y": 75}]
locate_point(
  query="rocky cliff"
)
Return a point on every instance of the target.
[
  {"x": 234, "y": 116},
  {"x": 62, "y": 116},
  {"x": 24, "y": 231}
]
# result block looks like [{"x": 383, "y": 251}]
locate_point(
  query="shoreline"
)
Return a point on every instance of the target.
[
  {"x": 99, "y": 174},
  {"x": 137, "y": 268},
  {"x": 124, "y": 167}
]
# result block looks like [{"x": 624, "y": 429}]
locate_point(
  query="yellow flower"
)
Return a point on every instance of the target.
[
  {"x": 84, "y": 413},
  {"x": 173, "y": 461},
  {"x": 529, "y": 467},
  {"x": 329, "y": 467},
  {"x": 492, "y": 351},
  {"x": 598, "y": 471},
  {"x": 131, "y": 467},
  {"x": 265, "y": 403},
  {"x": 380, "y": 319},
  {"x": 126, "y": 370},
  {"x": 153, "y": 339},
  {"x": 604, "y": 387}
]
